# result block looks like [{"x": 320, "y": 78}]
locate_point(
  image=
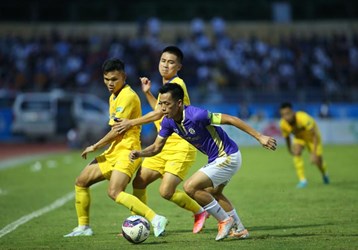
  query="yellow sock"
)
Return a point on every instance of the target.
[
  {"x": 135, "y": 205},
  {"x": 183, "y": 200},
  {"x": 83, "y": 201},
  {"x": 298, "y": 162},
  {"x": 141, "y": 194},
  {"x": 324, "y": 167}
]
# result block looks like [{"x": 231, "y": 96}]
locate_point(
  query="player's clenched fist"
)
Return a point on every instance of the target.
[
  {"x": 135, "y": 154},
  {"x": 146, "y": 84}
]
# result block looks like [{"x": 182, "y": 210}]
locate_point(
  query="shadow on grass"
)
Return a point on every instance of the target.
[
  {"x": 153, "y": 243},
  {"x": 266, "y": 228},
  {"x": 158, "y": 241},
  {"x": 259, "y": 228}
]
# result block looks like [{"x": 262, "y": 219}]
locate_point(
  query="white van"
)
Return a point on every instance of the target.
[{"x": 54, "y": 114}]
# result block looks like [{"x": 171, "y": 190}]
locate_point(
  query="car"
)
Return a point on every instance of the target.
[{"x": 55, "y": 115}]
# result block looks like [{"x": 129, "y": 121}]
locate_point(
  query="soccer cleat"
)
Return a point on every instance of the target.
[
  {"x": 302, "y": 184},
  {"x": 224, "y": 228},
  {"x": 80, "y": 231},
  {"x": 242, "y": 234},
  {"x": 199, "y": 221},
  {"x": 159, "y": 223},
  {"x": 325, "y": 179}
]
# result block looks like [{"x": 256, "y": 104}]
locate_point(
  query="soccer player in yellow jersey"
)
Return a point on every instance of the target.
[
  {"x": 173, "y": 163},
  {"x": 114, "y": 164},
  {"x": 306, "y": 134}
]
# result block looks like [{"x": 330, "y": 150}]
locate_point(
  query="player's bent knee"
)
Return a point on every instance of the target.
[
  {"x": 166, "y": 194},
  {"x": 189, "y": 189},
  {"x": 139, "y": 185},
  {"x": 113, "y": 193},
  {"x": 80, "y": 182}
]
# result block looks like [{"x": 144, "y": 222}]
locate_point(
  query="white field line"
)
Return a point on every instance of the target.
[
  {"x": 17, "y": 161},
  {"x": 56, "y": 204}
]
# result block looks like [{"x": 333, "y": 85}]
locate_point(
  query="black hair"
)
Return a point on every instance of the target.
[
  {"x": 286, "y": 105},
  {"x": 174, "y": 89},
  {"x": 176, "y": 51},
  {"x": 112, "y": 65}
]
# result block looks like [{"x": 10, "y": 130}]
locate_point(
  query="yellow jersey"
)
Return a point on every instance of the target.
[
  {"x": 302, "y": 129},
  {"x": 174, "y": 139},
  {"x": 125, "y": 105}
]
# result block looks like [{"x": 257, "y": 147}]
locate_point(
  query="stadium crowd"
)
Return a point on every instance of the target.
[{"x": 212, "y": 62}]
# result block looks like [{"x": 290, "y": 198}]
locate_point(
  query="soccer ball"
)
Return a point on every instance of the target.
[{"x": 136, "y": 229}]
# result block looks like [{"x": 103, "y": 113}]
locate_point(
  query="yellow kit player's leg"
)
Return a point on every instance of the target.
[
  {"x": 299, "y": 166},
  {"x": 200, "y": 215},
  {"x": 325, "y": 174},
  {"x": 183, "y": 200},
  {"x": 83, "y": 201},
  {"x": 135, "y": 205},
  {"x": 141, "y": 194}
]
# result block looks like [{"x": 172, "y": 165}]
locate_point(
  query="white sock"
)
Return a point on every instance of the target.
[
  {"x": 236, "y": 217},
  {"x": 216, "y": 210},
  {"x": 83, "y": 227}
]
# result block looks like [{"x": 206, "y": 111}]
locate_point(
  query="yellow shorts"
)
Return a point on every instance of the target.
[
  {"x": 122, "y": 164},
  {"x": 309, "y": 145},
  {"x": 176, "y": 162}
]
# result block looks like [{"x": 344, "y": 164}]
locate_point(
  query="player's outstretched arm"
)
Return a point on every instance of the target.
[
  {"x": 266, "y": 141},
  {"x": 149, "y": 151},
  {"x": 146, "y": 85},
  {"x": 123, "y": 125},
  {"x": 108, "y": 138}
]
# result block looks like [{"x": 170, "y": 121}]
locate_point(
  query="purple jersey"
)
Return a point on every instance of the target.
[{"x": 196, "y": 128}]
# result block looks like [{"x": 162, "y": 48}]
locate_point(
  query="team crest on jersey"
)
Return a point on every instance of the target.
[
  {"x": 119, "y": 109},
  {"x": 191, "y": 131}
]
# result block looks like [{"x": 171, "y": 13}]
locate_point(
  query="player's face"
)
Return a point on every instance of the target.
[
  {"x": 114, "y": 81},
  {"x": 170, "y": 107},
  {"x": 168, "y": 65},
  {"x": 288, "y": 115}
]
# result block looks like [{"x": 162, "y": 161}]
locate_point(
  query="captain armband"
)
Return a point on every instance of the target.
[{"x": 215, "y": 118}]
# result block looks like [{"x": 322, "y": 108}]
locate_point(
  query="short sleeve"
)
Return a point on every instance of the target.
[
  {"x": 126, "y": 105},
  {"x": 202, "y": 116},
  {"x": 309, "y": 122},
  {"x": 165, "y": 128}
]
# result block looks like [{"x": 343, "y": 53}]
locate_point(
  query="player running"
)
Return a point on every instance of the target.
[
  {"x": 173, "y": 163},
  {"x": 200, "y": 128},
  {"x": 114, "y": 164}
]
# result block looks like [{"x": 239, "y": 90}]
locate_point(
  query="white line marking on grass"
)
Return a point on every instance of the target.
[
  {"x": 17, "y": 161},
  {"x": 56, "y": 204}
]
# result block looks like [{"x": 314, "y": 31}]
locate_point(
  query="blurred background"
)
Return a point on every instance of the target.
[{"x": 240, "y": 57}]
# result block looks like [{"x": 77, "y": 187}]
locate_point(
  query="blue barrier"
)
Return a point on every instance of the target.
[{"x": 5, "y": 123}]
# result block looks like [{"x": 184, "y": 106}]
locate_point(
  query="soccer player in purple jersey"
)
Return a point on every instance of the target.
[{"x": 201, "y": 128}]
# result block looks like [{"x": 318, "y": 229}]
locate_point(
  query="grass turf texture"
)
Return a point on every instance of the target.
[{"x": 278, "y": 215}]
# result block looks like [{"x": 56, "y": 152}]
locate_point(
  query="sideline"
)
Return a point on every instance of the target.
[{"x": 56, "y": 204}]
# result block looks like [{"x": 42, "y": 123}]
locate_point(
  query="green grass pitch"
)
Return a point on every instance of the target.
[{"x": 278, "y": 215}]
